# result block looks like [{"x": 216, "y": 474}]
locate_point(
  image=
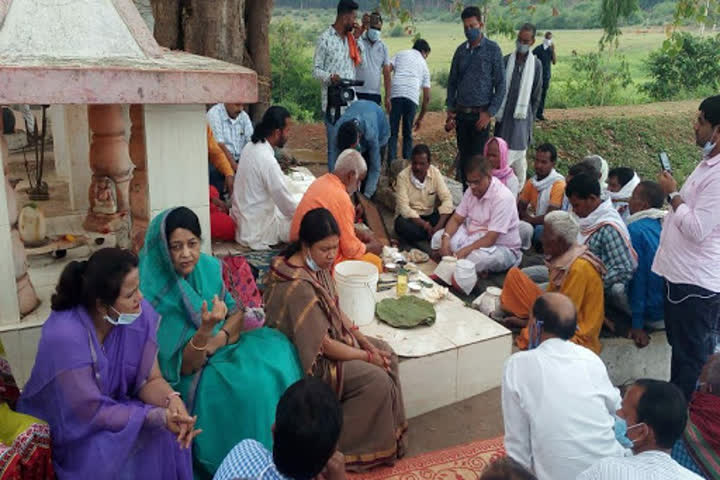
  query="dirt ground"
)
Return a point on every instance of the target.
[{"x": 476, "y": 418}]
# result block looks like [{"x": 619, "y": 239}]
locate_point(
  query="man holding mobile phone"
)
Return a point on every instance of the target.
[{"x": 689, "y": 255}]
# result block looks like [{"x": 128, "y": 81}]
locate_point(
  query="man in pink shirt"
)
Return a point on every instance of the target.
[
  {"x": 689, "y": 256},
  {"x": 485, "y": 226}
]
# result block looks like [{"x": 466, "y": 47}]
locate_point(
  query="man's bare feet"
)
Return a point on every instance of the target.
[
  {"x": 516, "y": 322},
  {"x": 609, "y": 324}
]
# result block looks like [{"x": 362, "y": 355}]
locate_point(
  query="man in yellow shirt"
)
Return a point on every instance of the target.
[
  {"x": 419, "y": 190},
  {"x": 541, "y": 194},
  {"x": 574, "y": 272}
]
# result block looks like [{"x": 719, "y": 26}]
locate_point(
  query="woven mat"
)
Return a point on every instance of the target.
[{"x": 463, "y": 462}]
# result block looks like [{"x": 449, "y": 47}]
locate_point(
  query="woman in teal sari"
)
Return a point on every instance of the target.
[{"x": 231, "y": 380}]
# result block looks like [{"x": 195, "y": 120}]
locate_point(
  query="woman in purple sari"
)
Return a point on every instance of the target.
[{"x": 96, "y": 380}]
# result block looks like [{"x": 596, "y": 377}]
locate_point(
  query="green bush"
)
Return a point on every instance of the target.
[
  {"x": 292, "y": 83},
  {"x": 397, "y": 31},
  {"x": 440, "y": 77},
  {"x": 596, "y": 79},
  {"x": 686, "y": 64},
  {"x": 437, "y": 99}
]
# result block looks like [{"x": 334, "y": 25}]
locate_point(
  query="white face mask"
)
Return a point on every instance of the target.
[
  {"x": 522, "y": 48},
  {"x": 123, "y": 318}
]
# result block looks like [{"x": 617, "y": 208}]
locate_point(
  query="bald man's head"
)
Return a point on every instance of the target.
[{"x": 557, "y": 314}]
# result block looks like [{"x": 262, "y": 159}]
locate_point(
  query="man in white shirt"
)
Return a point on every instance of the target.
[
  {"x": 262, "y": 205},
  {"x": 411, "y": 75},
  {"x": 655, "y": 413},
  {"x": 557, "y": 400},
  {"x": 232, "y": 128},
  {"x": 376, "y": 61}
]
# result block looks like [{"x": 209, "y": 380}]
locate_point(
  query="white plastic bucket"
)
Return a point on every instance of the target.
[
  {"x": 465, "y": 275},
  {"x": 356, "y": 284}
]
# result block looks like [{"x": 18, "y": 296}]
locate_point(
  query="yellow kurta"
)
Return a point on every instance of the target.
[{"x": 583, "y": 285}]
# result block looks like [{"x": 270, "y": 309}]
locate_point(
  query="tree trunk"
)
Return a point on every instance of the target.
[
  {"x": 167, "y": 23},
  {"x": 215, "y": 28},
  {"x": 257, "y": 19},
  {"x": 235, "y": 31}
]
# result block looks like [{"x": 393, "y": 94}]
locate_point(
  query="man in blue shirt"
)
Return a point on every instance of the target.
[
  {"x": 646, "y": 289},
  {"x": 374, "y": 130},
  {"x": 476, "y": 88}
]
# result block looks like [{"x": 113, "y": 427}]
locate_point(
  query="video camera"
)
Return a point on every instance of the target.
[{"x": 340, "y": 95}]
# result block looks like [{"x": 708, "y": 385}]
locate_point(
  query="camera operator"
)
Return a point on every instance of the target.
[{"x": 336, "y": 55}]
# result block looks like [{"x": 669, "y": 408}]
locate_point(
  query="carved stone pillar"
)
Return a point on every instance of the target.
[
  {"x": 139, "y": 183},
  {"x": 27, "y": 299},
  {"x": 111, "y": 168}
]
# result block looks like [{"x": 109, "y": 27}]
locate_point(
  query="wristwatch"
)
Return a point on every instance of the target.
[{"x": 671, "y": 197}]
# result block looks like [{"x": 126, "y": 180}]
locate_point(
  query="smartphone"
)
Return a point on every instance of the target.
[{"x": 665, "y": 162}]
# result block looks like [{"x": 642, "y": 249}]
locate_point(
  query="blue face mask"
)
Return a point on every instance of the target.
[
  {"x": 472, "y": 34},
  {"x": 311, "y": 264},
  {"x": 535, "y": 334},
  {"x": 621, "y": 429},
  {"x": 373, "y": 35},
  {"x": 708, "y": 148},
  {"x": 123, "y": 318}
]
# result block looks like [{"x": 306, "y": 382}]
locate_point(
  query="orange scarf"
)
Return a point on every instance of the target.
[{"x": 355, "y": 54}]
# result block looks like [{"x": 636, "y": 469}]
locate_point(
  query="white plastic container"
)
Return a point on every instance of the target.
[
  {"x": 465, "y": 275},
  {"x": 489, "y": 301},
  {"x": 356, "y": 284},
  {"x": 446, "y": 269}
]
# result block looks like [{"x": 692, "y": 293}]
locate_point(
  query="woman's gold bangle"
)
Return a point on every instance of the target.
[{"x": 195, "y": 347}]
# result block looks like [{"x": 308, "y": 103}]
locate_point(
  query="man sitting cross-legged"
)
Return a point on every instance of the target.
[
  {"x": 558, "y": 403},
  {"x": 698, "y": 449},
  {"x": 646, "y": 291},
  {"x": 307, "y": 428},
  {"x": 655, "y": 414},
  {"x": 419, "y": 189},
  {"x": 541, "y": 194},
  {"x": 574, "y": 272},
  {"x": 332, "y": 191},
  {"x": 262, "y": 205},
  {"x": 484, "y": 227},
  {"x": 607, "y": 237}
]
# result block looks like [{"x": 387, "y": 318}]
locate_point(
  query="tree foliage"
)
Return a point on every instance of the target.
[
  {"x": 597, "y": 79},
  {"x": 610, "y": 14},
  {"x": 688, "y": 63}
]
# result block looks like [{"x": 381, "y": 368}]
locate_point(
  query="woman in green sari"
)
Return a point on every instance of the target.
[{"x": 231, "y": 380}]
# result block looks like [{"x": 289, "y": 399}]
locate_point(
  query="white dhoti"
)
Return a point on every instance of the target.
[
  {"x": 487, "y": 259},
  {"x": 271, "y": 231},
  {"x": 518, "y": 162},
  {"x": 526, "y": 234}
]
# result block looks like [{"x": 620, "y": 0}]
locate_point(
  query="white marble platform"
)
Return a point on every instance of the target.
[{"x": 460, "y": 356}]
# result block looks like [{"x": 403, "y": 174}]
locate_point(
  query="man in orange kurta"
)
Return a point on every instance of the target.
[
  {"x": 574, "y": 272},
  {"x": 332, "y": 191}
]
